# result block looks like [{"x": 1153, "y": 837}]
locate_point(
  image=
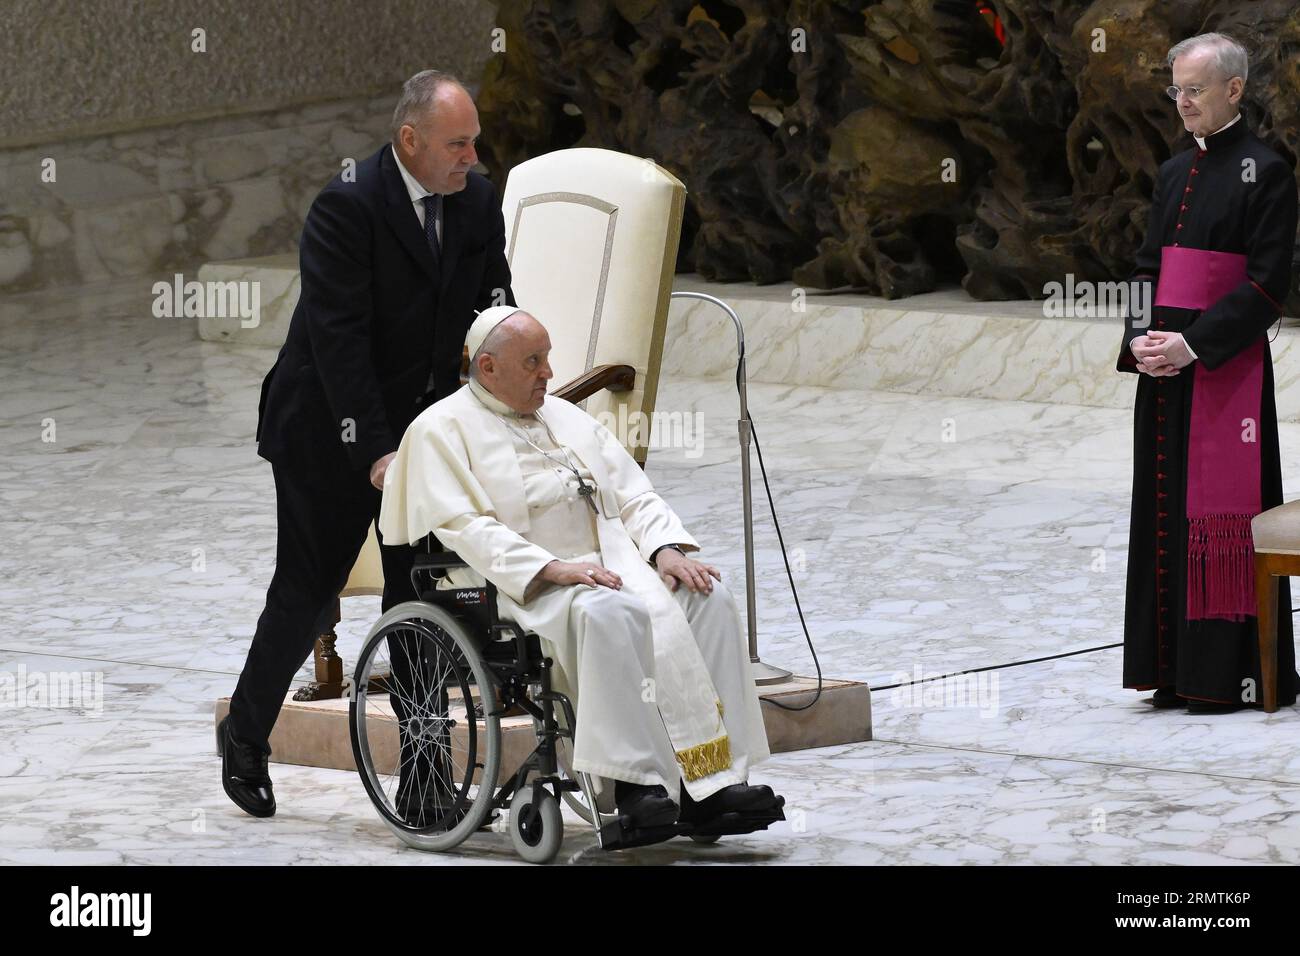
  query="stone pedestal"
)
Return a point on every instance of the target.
[{"x": 315, "y": 733}]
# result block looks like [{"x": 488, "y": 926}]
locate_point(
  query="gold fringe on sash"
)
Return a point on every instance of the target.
[{"x": 706, "y": 758}]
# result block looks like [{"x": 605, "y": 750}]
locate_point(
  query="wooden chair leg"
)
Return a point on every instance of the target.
[
  {"x": 1266, "y": 598},
  {"x": 328, "y": 684}
]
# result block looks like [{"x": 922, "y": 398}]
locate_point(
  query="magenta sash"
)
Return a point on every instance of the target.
[{"x": 1223, "y": 461}]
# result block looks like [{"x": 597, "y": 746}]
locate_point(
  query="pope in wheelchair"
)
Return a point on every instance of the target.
[{"x": 643, "y": 703}]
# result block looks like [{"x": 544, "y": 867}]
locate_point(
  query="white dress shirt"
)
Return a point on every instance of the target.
[{"x": 417, "y": 194}]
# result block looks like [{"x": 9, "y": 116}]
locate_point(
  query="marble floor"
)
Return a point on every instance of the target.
[{"x": 927, "y": 536}]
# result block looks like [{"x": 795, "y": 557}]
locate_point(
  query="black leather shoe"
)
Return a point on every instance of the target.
[
  {"x": 1166, "y": 697},
  {"x": 646, "y": 806},
  {"x": 1213, "y": 707},
  {"x": 737, "y": 798},
  {"x": 243, "y": 774},
  {"x": 425, "y": 812}
]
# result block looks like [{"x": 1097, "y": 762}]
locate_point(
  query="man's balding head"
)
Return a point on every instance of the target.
[
  {"x": 435, "y": 126},
  {"x": 512, "y": 363}
]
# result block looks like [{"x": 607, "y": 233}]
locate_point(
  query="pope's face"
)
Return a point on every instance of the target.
[
  {"x": 1216, "y": 104},
  {"x": 518, "y": 372},
  {"x": 439, "y": 149}
]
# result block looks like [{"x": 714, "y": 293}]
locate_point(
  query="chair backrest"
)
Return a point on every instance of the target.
[{"x": 592, "y": 235}]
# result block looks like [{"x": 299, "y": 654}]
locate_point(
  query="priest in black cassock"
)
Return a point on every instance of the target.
[{"x": 1217, "y": 266}]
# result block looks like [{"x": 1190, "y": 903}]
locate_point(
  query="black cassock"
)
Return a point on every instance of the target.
[{"x": 1235, "y": 196}]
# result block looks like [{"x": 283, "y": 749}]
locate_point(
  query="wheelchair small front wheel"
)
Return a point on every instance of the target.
[{"x": 536, "y": 840}]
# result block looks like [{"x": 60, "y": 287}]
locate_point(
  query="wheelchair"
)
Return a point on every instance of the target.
[{"x": 431, "y": 686}]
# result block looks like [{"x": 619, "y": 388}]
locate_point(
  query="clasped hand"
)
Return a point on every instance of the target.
[{"x": 1160, "y": 354}]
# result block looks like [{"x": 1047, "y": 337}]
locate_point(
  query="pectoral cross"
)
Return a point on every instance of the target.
[{"x": 587, "y": 491}]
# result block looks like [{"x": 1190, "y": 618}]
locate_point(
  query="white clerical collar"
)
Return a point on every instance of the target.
[
  {"x": 1201, "y": 142},
  {"x": 413, "y": 187},
  {"x": 492, "y": 402}
]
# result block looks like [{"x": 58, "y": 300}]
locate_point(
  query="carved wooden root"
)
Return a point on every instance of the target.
[{"x": 824, "y": 164}]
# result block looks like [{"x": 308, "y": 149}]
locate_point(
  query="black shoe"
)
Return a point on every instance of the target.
[
  {"x": 737, "y": 798},
  {"x": 1213, "y": 707},
  {"x": 423, "y": 802},
  {"x": 1166, "y": 697},
  {"x": 646, "y": 806},
  {"x": 243, "y": 774},
  {"x": 432, "y": 810}
]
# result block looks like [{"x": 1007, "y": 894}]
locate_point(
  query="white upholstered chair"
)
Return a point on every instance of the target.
[{"x": 592, "y": 237}]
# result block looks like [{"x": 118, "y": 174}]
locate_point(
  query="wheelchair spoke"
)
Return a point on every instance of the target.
[{"x": 429, "y": 699}]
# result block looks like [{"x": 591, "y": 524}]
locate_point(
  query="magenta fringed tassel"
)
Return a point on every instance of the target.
[{"x": 1220, "y": 568}]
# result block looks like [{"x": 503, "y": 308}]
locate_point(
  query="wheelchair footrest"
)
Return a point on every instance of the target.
[{"x": 621, "y": 835}]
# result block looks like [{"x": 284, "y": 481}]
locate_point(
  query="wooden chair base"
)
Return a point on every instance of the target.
[
  {"x": 328, "y": 684},
  {"x": 1268, "y": 568}
]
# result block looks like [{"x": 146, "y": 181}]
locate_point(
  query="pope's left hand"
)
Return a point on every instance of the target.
[
  {"x": 1165, "y": 348},
  {"x": 675, "y": 567}
]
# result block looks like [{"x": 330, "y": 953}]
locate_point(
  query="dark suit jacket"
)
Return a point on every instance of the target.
[{"x": 375, "y": 316}]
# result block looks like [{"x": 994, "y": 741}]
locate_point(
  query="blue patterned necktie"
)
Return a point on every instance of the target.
[{"x": 431, "y": 227}]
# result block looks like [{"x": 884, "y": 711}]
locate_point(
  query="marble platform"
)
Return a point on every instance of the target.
[
  {"x": 315, "y": 733},
  {"x": 929, "y": 533}
]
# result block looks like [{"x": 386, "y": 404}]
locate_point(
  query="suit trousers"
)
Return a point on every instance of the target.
[{"x": 321, "y": 523}]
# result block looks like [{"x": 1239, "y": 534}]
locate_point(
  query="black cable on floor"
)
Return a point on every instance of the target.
[{"x": 999, "y": 667}]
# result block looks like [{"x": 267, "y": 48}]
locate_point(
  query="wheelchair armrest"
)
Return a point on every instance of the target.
[
  {"x": 436, "y": 564},
  {"x": 438, "y": 561}
]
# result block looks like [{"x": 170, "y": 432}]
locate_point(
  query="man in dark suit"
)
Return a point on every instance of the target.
[{"x": 395, "y": 261}]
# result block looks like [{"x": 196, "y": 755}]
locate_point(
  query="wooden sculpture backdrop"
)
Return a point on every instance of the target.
[{"x": 825, "y": 165}]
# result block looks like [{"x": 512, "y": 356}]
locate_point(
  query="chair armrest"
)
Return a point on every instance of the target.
[{"x": 616, "y": 378}]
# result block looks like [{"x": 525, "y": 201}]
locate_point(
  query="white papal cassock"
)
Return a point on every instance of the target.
[{"x": 661, "y": 680}]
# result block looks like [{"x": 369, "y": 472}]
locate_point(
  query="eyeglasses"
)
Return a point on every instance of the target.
[{"x": 1193, "y": 92}]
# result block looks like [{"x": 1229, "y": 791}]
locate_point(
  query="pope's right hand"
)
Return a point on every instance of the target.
[{"x": 580, "y": 572}]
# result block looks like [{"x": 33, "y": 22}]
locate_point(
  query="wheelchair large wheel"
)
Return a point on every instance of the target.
[{"x": 429, "y": 767}]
